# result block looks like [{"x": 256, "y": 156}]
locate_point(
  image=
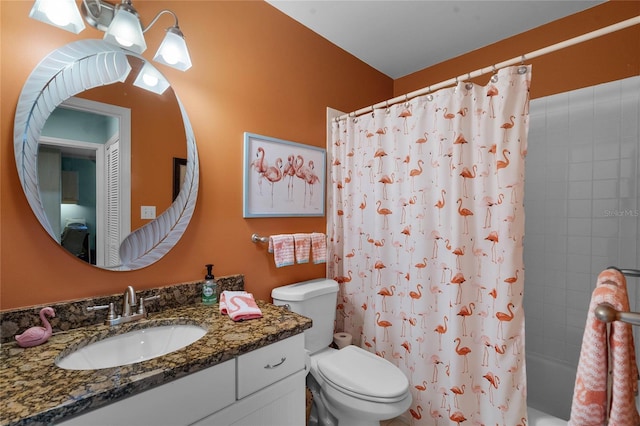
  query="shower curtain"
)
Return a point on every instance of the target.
[{"x": 426, "y": 227}]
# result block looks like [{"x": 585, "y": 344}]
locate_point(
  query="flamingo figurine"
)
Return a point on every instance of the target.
[{"x": 35, "y": 336}]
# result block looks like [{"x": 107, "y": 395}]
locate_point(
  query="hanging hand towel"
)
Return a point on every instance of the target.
[
  {"x": 319, "y": 247},
  {"x": 282, "y": 248},
  {"x": 302, "y": 244},
  {"x": 590, "y": 399},
  {"x": 239, "y": 305}
]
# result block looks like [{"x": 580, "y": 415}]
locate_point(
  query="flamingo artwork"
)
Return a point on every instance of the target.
[
  {"x": 289, "y": 172},
  {"x": 260, "y": 165},
  {"x": 273, "y": 174},
  {"x": 35, "y": 336}
]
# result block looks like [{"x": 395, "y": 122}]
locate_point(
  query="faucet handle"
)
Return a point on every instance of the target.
[
  {"x": 141, "y": 309},
  {"x": 112, "y": 311}
]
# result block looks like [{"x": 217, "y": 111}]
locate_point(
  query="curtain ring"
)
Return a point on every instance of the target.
[
  {"x": 429, "y": 95},
  {"x": 522, "y": 69},
  {"x": 494, "y": 77},
  {"x": 469, "y": 84}
]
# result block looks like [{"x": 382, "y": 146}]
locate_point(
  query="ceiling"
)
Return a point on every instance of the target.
[{"x": 401, "y": 37}]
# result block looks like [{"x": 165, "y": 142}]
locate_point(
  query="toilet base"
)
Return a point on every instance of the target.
[
  {"x": 320, "y": 416},
  {"x": 348, "y": 411},
  {"x": 346, "y": 415}
]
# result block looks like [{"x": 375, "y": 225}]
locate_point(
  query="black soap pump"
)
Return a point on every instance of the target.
[{"x": 209, "y": 288}]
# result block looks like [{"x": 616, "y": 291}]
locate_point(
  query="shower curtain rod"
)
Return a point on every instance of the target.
[{"x": 520, "y": 59}]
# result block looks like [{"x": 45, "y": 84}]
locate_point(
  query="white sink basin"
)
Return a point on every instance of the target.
[{"x": 134, "y": 346}]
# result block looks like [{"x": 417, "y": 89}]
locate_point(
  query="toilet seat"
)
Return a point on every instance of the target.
[{"x": 363, "y": 375}]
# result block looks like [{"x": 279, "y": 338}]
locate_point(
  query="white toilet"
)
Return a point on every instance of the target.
[{"x": 351, "y": 386}]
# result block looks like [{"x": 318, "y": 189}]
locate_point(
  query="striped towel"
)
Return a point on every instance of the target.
[
  {"x": 302, "y": 244},
  {"x": 319, "y": 247},
  {"x": 590, "y": 396},
  {"x": 282, "y": 248}
]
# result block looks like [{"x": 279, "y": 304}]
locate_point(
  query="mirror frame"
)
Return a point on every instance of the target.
[{"x": 66, "y": 72}]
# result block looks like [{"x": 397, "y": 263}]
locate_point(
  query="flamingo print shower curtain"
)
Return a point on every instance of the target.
[{"x": 426, "y": 227}]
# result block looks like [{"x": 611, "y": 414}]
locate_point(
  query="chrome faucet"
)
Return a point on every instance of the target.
[{"x": 129, "y": 301}]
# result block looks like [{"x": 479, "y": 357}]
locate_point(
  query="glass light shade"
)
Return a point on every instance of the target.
[
  {"x": 173, "y": 51},
  {"x": 125, "y": 31},
  {"x": 149, "y": 78},
  {"x": 59, "y": 13}
]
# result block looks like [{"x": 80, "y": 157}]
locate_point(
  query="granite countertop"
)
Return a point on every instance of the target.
[{"x": 33, "y": 390}]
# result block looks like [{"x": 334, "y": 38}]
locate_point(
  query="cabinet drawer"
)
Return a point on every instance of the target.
[{"x": 262, "y": 367}]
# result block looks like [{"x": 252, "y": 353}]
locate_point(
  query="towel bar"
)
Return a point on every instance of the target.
[
  {"x": 631, "y": 272},
  {"x": 607, "y": 313},
  {"x": 627, "y": 272},
  {"x": 258, "y": 239}
]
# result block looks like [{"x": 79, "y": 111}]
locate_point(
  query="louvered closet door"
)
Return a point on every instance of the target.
[{"x": 112, "y": 237}]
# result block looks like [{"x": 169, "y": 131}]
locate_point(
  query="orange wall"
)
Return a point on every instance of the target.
[
  {"x": 156, "y": 123},
  {"x": 255, "y": 70},
  {"x": 607, "y": 58}
]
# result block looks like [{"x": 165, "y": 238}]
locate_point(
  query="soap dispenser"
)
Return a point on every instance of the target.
[{"x": 209, "y": 288}]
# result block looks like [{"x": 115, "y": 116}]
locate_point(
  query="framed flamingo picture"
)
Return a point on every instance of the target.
[{"x": 282, "y": 178}]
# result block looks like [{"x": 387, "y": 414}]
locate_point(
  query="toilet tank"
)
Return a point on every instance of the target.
[{"x": 315, "y": 299}]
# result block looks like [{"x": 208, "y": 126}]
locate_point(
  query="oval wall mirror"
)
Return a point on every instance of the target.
[{"x": 55, "y": 89}]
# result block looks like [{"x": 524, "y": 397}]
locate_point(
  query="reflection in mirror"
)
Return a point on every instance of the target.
[
  {"x": 84, "y": 178},
  {"x": 97, "y": 68}
]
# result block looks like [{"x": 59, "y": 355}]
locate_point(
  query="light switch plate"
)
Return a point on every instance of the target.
[{"x": 147, "y": 212}]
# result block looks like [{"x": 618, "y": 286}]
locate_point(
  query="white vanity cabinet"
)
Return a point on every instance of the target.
[
  {"x": 262, "y": 387},
  {"x": 270, "y": 387}
]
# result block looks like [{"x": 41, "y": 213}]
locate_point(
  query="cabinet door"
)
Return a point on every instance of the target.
[
  {"x": 281, "y": 404},
  {"x": 180, "y": 402}
]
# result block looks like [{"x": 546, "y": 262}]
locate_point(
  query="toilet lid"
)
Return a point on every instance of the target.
[{"x": 358, "y": 372}]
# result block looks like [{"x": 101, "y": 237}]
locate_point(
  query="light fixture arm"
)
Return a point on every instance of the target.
[{"x": 162, "y": 12}]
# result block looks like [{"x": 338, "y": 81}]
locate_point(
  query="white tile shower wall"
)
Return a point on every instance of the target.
[{"x": 582, "y": 212}]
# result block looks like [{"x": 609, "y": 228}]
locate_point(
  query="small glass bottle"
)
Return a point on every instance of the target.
[{"x": 209, "y": 288}]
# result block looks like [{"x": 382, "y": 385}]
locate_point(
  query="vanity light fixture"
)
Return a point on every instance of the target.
[
  {"x": 59, "y": 13},
  {"x": 121, "y": 24}
]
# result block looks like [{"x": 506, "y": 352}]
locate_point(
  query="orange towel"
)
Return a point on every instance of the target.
[{"x": 590, "y": 400}]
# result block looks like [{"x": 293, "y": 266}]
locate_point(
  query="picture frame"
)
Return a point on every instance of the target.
[
  {"x": 179, "y": 171},
  {"x": 282, "y": 178}
]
